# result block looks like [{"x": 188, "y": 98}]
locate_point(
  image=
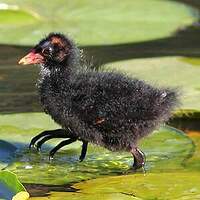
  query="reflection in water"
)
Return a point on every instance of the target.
[{"x": 43, "y": 190}]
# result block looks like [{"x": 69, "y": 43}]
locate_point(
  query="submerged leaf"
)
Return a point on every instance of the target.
[{"x": 7, "y": 151}]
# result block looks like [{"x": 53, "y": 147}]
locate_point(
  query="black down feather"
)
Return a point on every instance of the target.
[{"x": 105, "y": 108}]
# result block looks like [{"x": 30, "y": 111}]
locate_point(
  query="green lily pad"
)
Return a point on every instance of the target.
[
  {"x": 194, "y": 161},
  {"x": 27, "y": 121},
  {"x": 176, "y": 184},
  {"x": 93, "y": 22},
  {"x": 192, "y": 61},
  {"x": 15, "y": 18},
  {"x": 167, "y": 71},
  {"x": 166, "y": 149},
  {"x": 152, "y": 186},
  {"x": 10, "y": 186}
]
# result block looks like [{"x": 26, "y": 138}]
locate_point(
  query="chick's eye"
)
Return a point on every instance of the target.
[{"x": 46, "y": 51}]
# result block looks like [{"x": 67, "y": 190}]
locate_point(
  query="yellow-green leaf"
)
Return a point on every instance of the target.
[{"x": 21, "y": 196}]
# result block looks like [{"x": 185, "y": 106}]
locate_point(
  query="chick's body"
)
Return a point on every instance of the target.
[{"x": 105, "y": 108}]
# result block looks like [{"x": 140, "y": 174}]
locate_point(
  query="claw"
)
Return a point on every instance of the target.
[
  {"x": 45, "y": 134},
  {"x": 60, "y": 145},
  {"x": 39, "y": 145},
  {"x": 51, "y": 154},
  {"x": 58, "y": 133},
  {"x": 38, "y": 149},
  {"x": 80, "y": 159},
  {"x": 50, "y": 158},
  {"x": 30, "y": 146}
]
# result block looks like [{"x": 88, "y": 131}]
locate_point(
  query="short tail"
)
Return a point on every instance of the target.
[{"x": 167, "y": 102}]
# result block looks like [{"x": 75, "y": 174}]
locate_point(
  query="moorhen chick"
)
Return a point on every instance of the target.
[{"x": 109, "y": 109}]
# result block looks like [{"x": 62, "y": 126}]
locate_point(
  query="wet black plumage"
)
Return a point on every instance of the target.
[{"x": 106, "y": 108}]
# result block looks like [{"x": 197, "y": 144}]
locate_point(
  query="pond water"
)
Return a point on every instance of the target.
[
  {"x": 173, "y": 161},
  {"x": 172, "y": 166},
  {"x": 172, "y": 170}
]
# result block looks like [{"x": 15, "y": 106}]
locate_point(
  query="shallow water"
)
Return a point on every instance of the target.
[
  {"x": 170, "y": 155},
  {"x": 18, "y": 95},
  {"x": 172, "y": 172}
]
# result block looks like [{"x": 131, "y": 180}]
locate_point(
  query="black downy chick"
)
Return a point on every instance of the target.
[{"x": 105, "y": 108}]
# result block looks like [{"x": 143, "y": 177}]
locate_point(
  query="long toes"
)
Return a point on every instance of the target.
[
  {"x": 30, "y": 146},
  {"x": 39, "y": 136},
  {"x": 39, "y": 145},
  {"x": 32, "y": 143},
  {"x": 42, "y": 141},
  {"x": 60, "y": 145}
]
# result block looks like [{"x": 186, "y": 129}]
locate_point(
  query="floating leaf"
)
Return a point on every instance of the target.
[
  {"x": 194, "y": 162},
  {"x": 21, "y": 196},
  {"x": 92, "y": 22},
  {"x": 27, "y": 121},
  {"x": 11, "y": 187},
  {"x": 165, "y": 186},
  {"x": 15, "y": 18},
  {"x": 151, "y": 186},
  {"x": 165, "y": 149},
  {"x": 167, "y": 71}
]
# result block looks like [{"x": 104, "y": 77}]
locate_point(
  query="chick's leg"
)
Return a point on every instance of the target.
[
  {"x": 83, "y": 151},
  {"x": 139, "y": 158}
]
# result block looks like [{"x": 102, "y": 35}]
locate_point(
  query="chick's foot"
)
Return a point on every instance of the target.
[
  {"x": 47, "y": 135},
  {"x": 43, "y": 137},
  {"x": 139, "y": 158}
]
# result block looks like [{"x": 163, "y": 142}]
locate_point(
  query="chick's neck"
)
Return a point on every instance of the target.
[{"x": 60, "y": 73}]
